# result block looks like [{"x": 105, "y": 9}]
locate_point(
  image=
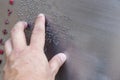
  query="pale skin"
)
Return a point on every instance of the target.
[{"x": 28, "y": 62}]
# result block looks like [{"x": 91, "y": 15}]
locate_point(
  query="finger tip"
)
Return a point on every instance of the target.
[
  {"x": 25, "y": 24},
  {"x": 41, "y": 18},
  {"x": 62, "y": 56},
  {"x": 41, "y": 15}
]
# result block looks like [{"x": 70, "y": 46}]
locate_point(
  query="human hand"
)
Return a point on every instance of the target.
[{"x": 28, "y": 62}]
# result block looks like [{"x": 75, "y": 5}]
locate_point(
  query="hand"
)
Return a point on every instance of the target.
[{"x": 28, "y": 62}]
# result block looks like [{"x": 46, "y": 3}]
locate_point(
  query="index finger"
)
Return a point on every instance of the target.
[{"x": 38, "y": 34}]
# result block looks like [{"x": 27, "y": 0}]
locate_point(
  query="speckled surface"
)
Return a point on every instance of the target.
[
  {"x": 93, "y": 27},
  {"x": 4, "y": 6},
  {"x": 27, "y": 10}
]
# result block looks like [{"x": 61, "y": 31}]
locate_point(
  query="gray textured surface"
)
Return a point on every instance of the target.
[{"x": 94, "y": 51}]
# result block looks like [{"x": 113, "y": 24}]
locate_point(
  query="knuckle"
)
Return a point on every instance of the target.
[
  {"x": 39, "y": 26},
  {"x": 38, "y": 30},
  {"x": 13, "y": 30},
  {"x": 17, "y": 28}
]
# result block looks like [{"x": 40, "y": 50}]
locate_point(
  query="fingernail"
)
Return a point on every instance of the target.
[
  {"x": 40, "y": 15},
  {"x": 63, "y": 57}
]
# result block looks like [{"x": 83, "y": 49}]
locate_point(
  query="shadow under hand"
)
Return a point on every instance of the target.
[{"x": 55, "y": 42}]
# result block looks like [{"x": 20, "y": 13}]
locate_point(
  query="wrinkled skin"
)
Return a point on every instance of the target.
[{"x": 28, "y": 62}]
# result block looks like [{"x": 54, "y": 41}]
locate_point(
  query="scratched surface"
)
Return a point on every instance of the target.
[{"x": 88, "y": 31}]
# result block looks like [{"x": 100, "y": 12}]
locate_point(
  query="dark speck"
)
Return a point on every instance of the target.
[
  {"x": 9, "y": 12},
  {"x": 5, "y": 32},
  {"x": 0, "y": 61}
]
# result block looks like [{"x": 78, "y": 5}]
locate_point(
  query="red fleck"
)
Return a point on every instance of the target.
[
  {"x": 6, "y": 22},
  {"x": 11, "y": 2},
  {"x": 9, "y": 12},
  {"x": 1, "y": 52},
  {"x": 4, "y": 31}
]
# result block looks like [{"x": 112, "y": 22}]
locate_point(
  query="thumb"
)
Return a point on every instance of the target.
[{"x": 56, "y": 62}]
